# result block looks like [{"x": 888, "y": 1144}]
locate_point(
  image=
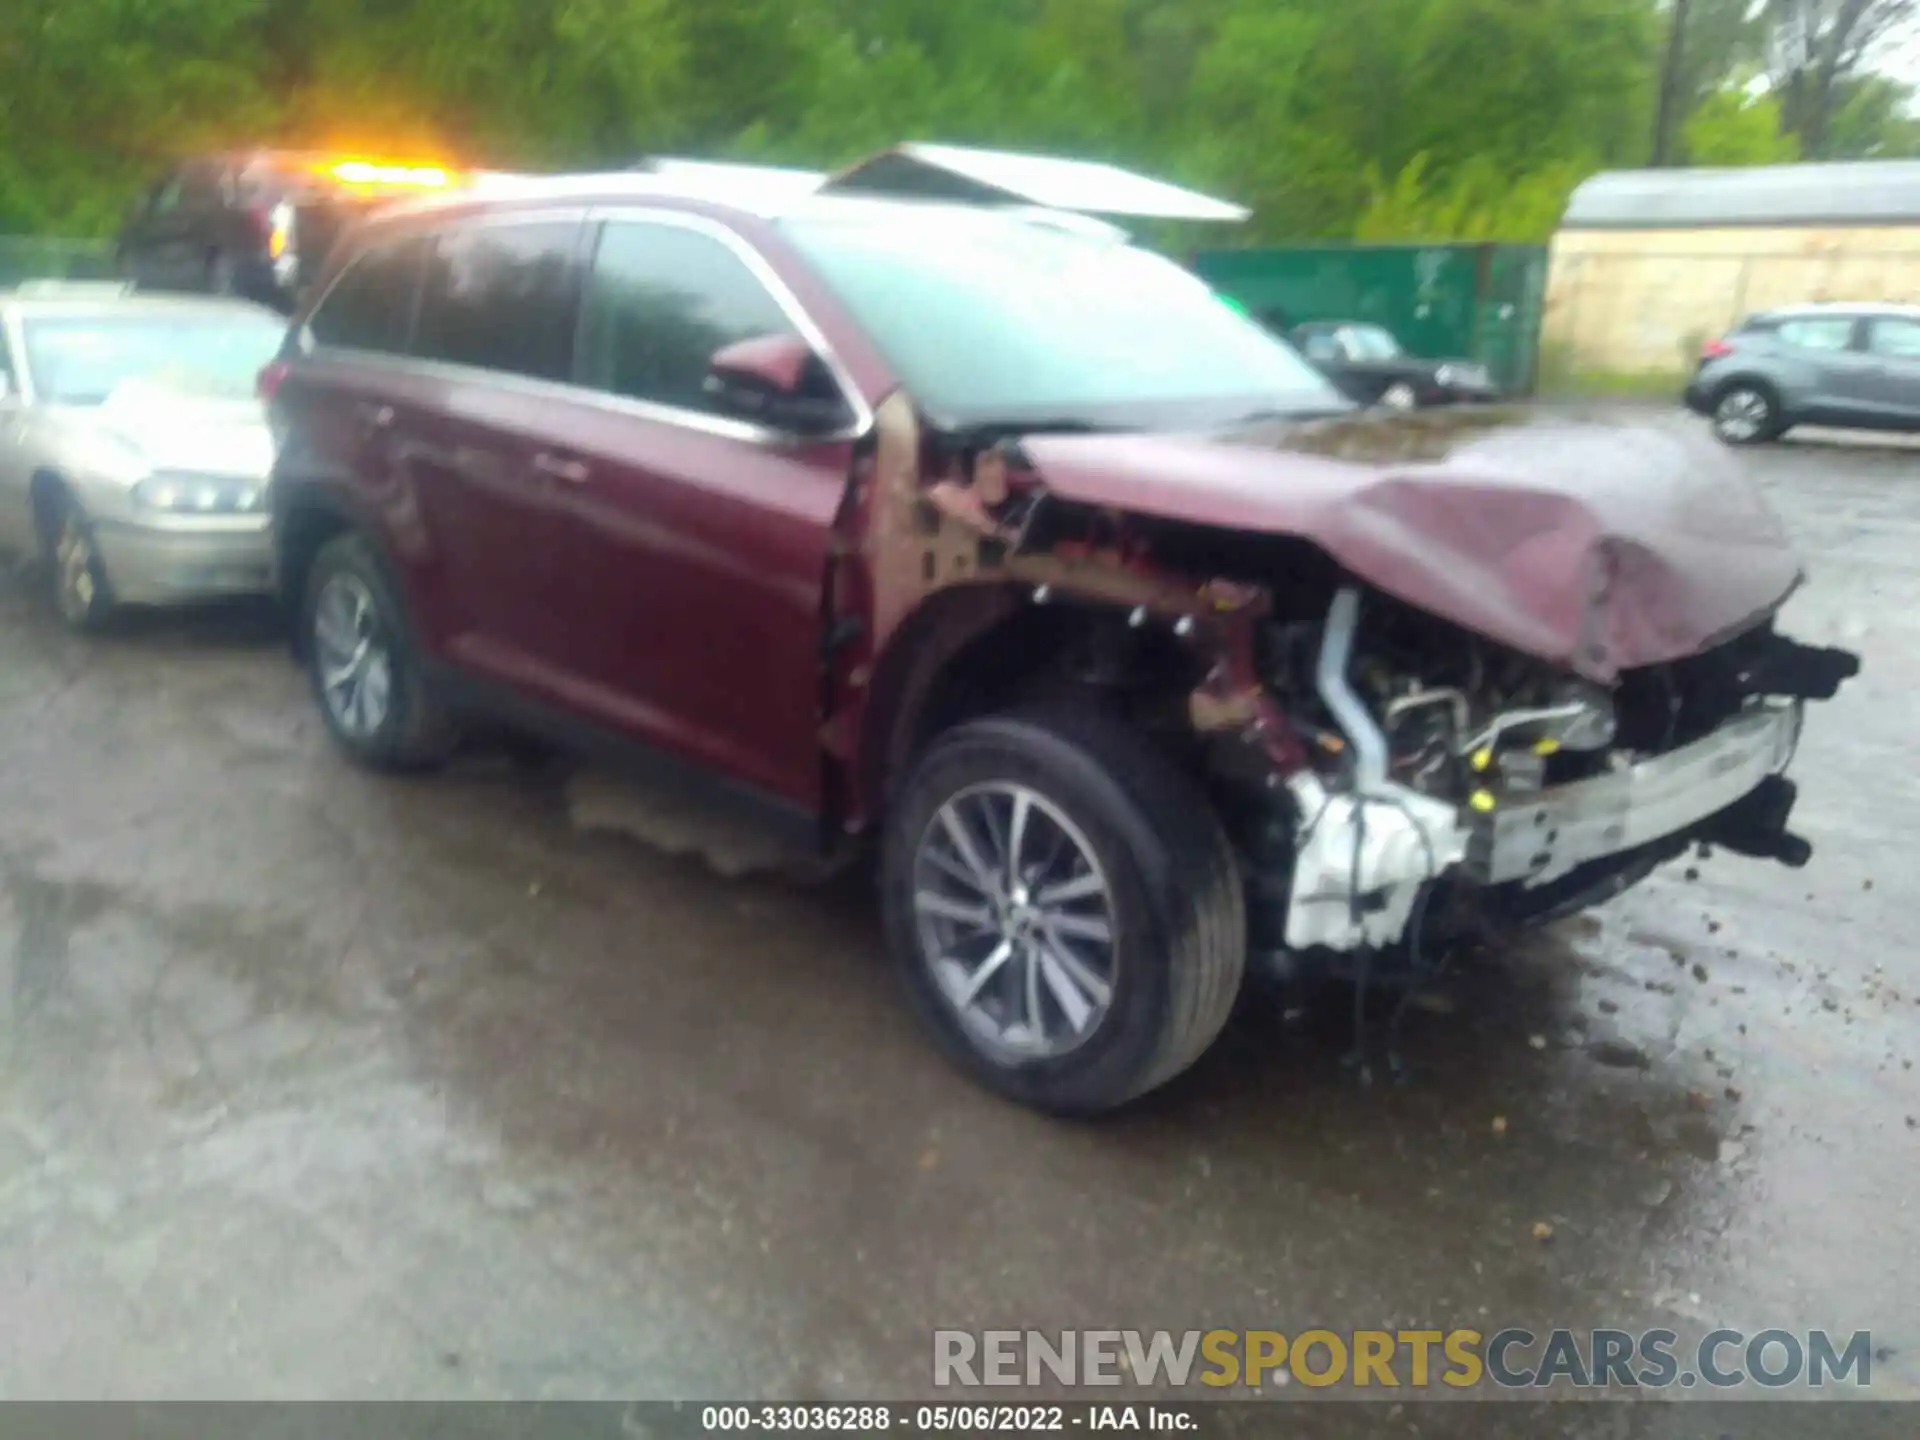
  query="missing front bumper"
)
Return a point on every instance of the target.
[{"x": 1544, "y": 838}]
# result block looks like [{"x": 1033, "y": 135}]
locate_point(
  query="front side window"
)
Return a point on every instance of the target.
[
  {"x": 991, "y": 320},
  {"x": 501, "y": 298},
  {"x": 1323, "y": 347},
  {"x": 1369, "y": 342},
  {"x": 660, "y": 300},
  {"x": 89, "y": 359},
  {"x": 1833, "y": 332},
  {"x": 371, "y": 305},
  {"x": 1897, "y": 338}
]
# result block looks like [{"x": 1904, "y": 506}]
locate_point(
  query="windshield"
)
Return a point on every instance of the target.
[
  {"x": 84, "y": 359},
  {"x": 991, "y": 320},
  {"x": 1370, "y": 342}
]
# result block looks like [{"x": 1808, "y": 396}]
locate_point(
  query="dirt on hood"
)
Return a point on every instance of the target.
[{"x": 1594, "y": 544}]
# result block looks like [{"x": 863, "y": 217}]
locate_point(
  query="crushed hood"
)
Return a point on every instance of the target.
[{"x": 1596, "y": 545}]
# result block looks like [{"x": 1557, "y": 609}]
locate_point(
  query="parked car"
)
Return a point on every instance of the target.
[
  {"x": 1372, "y": 368},
  {"x": 134, "y": 455},
  {"x": 256, "y": 224},
  {"x": 1855, "y": 366},
  {"x": 1000, "y": 543}
]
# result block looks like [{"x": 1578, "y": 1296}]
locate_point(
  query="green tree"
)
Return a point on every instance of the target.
[{"x": 1731, "y": 127}]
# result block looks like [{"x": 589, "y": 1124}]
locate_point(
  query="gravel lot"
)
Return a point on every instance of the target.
[{"x": 314, "y": 1084}]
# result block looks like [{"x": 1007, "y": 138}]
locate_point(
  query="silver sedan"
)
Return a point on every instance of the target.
[{"x": 134, "y": 454}]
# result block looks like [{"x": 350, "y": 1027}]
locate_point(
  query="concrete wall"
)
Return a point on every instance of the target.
[{"x": 1645, "y": 300}]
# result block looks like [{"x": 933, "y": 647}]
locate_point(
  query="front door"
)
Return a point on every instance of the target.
[
  {"x": 1893, "y": 343},
  {"x": 694, "y": 544}
]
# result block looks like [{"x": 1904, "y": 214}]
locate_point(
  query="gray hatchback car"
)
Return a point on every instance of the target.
[{"x": 1855, "y": 366}]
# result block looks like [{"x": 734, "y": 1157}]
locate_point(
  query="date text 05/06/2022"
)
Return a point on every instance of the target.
[{"x": 941, "y": 1419}]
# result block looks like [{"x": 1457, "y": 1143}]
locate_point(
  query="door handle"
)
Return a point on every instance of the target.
[{"x": 574, "y": 472}]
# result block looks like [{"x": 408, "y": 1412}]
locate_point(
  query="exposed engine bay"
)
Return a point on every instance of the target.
[
  {"x": 1422, "y": 681},
  {"x": 1446, "y": 757}
]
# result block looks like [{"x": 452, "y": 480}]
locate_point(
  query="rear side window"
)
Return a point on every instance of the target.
[
  {"x": 370, "y": 305},
  {"x": 1895, "y": 337},
  {"x": 660, "y": 300},
  {"x": 1834, "y": 332},
  {"x": 501, "y": 297}
]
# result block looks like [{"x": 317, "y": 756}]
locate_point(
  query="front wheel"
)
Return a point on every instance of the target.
[
  {"x": 1064, "y": 907},
  {"x": 81, "y": 591},
  {"x": 366, "y": 676},
  {"x": 1400, "y": 396}
]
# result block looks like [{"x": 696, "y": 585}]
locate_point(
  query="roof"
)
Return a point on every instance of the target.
[
  {"x": 953, "y": 172},
  {"x": 1859, "y": 192},
  {"x": 725, "y": 175},
  {"x": 1839, "y": 308},
  {"x": 774, "y": 200}
]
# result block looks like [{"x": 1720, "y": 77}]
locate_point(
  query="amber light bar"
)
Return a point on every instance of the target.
[{"x": 385, "y": 175}]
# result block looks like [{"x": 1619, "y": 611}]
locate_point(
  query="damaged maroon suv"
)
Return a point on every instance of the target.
[{"x": 987, "y": 537}]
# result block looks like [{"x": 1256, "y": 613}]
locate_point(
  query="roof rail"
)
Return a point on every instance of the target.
[
  {"x": 73, "y": 289},
  {"x": 1072, "y": 222}
]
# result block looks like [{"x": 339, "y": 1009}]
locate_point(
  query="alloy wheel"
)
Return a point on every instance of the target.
[
  {"x": 1016, "y": 922},
  {"x": 352, "y": 656},
  {"x": 1742, "y": 415}
]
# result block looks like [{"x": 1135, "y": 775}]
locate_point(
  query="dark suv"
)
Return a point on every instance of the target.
[
  {"x": 989, "y": 537},
  {"x": 256, "y": 224}
]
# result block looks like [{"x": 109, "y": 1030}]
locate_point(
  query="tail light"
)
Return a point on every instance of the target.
[
  {"x": 267, "y": 384},
  {"x": 1715, "y": 350}
]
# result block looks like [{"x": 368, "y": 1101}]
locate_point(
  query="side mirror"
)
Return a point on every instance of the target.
[{"x": 777, "y": 380}]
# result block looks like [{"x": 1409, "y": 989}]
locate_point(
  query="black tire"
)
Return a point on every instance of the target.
[
  {"x": 412, "y": 730},
  {"x": 222, "y": 277},
  {"x": 1747, "y": 412},
  {"x": 1180, "y": 919},
  {"x": 81, "y": 592}
]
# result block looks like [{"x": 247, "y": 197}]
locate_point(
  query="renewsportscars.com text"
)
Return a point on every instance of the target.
[{"x": 1509, "y": 1359}]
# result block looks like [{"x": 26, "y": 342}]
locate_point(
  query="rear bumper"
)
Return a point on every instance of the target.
[
  {"x": 176, "y": 561},
  {"x": 1695, "y": 398},
  {"x": 1541, "y": 839}
]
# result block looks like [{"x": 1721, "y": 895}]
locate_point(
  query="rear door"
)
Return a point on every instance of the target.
[
  {"x": 1893, "y": 342},
  {"x": 472, "y": 440},
  {"x": 334, "y": 412},
  {"x": 695, "y": 543}
]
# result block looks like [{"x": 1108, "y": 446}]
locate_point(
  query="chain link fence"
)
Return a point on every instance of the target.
[{"x": 32, "y": 257}]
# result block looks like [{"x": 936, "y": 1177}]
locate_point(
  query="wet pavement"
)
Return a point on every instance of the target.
[{"x": 319, "y": 1084}]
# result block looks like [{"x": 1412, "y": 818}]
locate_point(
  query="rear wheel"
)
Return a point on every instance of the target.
[
  {"x": 1064, "y": 908},
  {"x": 365, "y": 671},
  {"x": 1746, "y": 414},
  {"x": 1400, "y": 396}
]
